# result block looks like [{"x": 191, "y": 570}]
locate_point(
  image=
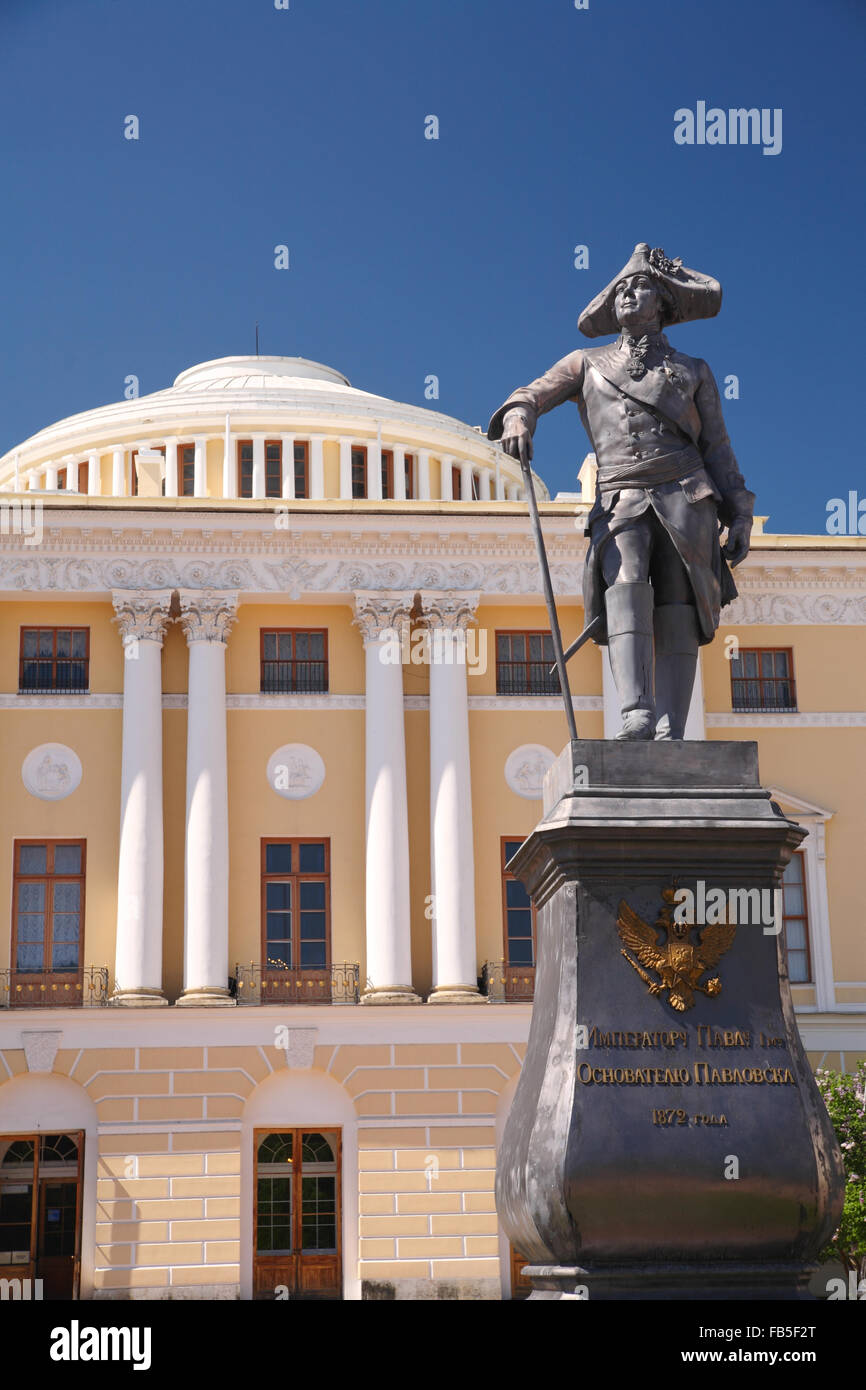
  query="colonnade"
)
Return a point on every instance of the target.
[
  {"x": 207, "y": 617},
  {"x": 477, "y": 481}
]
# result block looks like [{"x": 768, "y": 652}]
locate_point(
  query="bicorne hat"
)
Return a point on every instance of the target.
[{"x": 689, "y": 294}]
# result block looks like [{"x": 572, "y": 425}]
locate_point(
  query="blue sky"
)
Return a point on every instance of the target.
[{"x": 452, "y": 257}]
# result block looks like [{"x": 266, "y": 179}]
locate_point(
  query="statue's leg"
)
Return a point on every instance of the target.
[
  {"x": 676, "y": 638},
  {"x": 629, "y": 604}
]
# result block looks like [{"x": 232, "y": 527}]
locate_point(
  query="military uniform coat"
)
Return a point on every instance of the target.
[{"x": 660, "y": 441}]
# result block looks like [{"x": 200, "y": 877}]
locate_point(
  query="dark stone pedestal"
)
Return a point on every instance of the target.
[{"x": 656, "y": 1151}]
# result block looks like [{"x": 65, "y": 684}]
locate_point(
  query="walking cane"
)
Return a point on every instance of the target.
[{"x": 548, "y": 596}]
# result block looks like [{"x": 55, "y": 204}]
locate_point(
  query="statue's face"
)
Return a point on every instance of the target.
[{"x": 637, "y": 302}]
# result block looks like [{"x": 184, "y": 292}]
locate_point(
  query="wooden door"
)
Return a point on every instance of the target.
[
  {"x": 40, "y": 1210},
  {"x": 57, "y": 1239},
  {"x": 298, "y": 1217}
]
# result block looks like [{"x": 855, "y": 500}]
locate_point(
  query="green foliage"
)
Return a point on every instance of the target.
[{"x": 845, "y": 1098}]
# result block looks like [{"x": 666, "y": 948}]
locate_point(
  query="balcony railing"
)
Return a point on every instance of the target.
[
  {"x": 773, "y": 695},
  {"x": 526, "y": 678},
  {"x": 255, "y": 983},
  {"x": 30, "y": 989},
  {"x": 507, "y": 984},
  {"x": 294, "y": 678},
  {"x": 64, "y": 676}
]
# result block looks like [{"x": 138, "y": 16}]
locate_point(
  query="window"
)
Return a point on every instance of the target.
[
  {"x": 301, "y": 471},
  {"x": 40, "y": 1210},
  {"x": 185, "y": 471},
  {"x": 296, "y": 952},
  {"x": 273, "y": 468},
  {"x": 359, "y": 472},
  {"x": 294, "y": 661},
  {"x": 54, "y": 660},
  {"x": 523, "y": 662},
  {"x": 795, "y": 919},
  {"x": 518, "y": 930},
  {"x": 763, "y": 679},
  {"x": 455, "y": 482},
  {"x": 388, "y": 483},
  {"x": 82, "y": 475},
  {"x": 297, "y": 1213},
  {"x": 47, "y": 922},
  {"x": 387, "y": 473},
  {"x": 245, "y": 468},
  {"x": 476, "y": 486}
]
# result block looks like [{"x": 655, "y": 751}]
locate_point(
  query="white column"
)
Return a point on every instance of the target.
[
  {"x": 345, "y": 468},
  {"x": 51, "y": 477},
  {"x": 200, "y": 474},
  {"x": 141, "y": 618},
  {"x": 446, "y": 491},
  {"x": 171, "y": 467},
  {"x": 258, "y": 465},
  {"x": 317, "y": 466},
  {"x": 500, "y": 483},
  {"x": 423, "y": 457},
  {"x": 381, "y": 618},
  {"x": 71, "y": 466},
  {"x": 33, "y": 480},
  {"x": 455, "y": 963},
  {"x": 288, "y": 443},
  {"x": 512, "y": 492},
  {"x": 94, "y": 483},
  {"x": 466, "y": 482},
  {"x": 399, "y": 452},
  {"x": 117, "y": 471},
  {"x": 374, "y": 469},
  {"x": 484, "y": 491},
  {"x": 230, "y": 473},
  {"x": 206, "y": 618}
]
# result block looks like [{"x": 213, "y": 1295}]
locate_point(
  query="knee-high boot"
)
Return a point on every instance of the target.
[
  {"x": 630, "y": 645},
  {"x": 676, "y": 643}
]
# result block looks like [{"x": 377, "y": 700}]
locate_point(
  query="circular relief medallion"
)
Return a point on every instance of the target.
[
  {"x": 525, "y": 769},
  {"x": 51, "y": 771},
  {"x": 295, "y": 771}
]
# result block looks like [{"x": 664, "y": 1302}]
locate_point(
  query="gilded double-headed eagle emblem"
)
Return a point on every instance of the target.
[{"x": 677, "y": 961}]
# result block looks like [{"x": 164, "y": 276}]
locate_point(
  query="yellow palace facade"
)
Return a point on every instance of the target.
[{"x": 276, "y": 708}]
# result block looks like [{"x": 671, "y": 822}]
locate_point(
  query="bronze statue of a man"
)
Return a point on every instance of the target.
[{"x": 667, "y": 484}]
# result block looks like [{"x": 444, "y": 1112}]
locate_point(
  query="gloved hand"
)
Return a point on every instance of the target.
[
  {"x": 736, "y": 548},
  {"x": 517, "y": 437}
]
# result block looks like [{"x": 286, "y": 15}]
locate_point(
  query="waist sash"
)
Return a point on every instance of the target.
[{"x": 666, "y": 468}]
